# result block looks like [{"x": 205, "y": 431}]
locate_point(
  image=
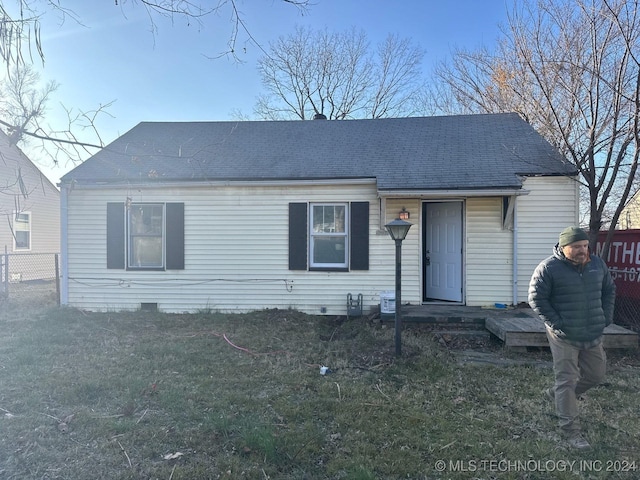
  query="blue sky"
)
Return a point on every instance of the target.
[{"x": 112, "y": 56}]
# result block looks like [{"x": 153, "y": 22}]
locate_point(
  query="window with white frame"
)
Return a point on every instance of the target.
[
  {"x": 145, "y": 235},
  {"x": 22, "y": 231},
  {"x": 328, "y": 236}
]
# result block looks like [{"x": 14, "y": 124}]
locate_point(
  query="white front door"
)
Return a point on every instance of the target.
[{"x": 442, "y": 251}]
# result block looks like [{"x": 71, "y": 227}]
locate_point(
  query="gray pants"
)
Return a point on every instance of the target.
[{"x": 576, "y": 370}]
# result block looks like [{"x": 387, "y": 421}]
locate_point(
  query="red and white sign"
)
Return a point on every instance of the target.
[{"x": 623, "y": 261}]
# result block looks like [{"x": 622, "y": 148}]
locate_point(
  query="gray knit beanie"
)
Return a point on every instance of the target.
[{"x": 572, "y": 234}]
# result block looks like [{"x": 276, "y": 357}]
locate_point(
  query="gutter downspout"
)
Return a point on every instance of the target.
[
  {"x": 515, "y": 251},
  {"x": 64, "y": 265}
]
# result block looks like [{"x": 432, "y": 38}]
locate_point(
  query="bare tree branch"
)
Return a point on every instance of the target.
[
  {"x": 22, "y": 108},
  {"x": 337, "y": 75},
  {"x": 569, "y": 67}
]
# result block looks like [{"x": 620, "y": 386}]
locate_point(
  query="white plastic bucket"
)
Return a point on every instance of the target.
[{"x": 388, "y": 301}]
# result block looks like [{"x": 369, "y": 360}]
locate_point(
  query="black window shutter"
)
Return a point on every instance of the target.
[
  {"x": 115, "y": 235},
  {"x": 297, "y": 236},
  {"x": 360, "y": 236},
  {"x": 175, "y": 236}
]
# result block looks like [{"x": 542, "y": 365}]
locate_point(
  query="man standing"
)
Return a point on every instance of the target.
[{"x": 573, "y": 293}]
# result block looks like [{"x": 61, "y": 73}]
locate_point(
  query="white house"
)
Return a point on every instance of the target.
[
  {"x": 239, "y": 216},
  {"x": 29, "y": 216}
]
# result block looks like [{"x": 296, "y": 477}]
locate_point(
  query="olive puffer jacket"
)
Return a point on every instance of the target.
[{"x": 577, "y": 301}]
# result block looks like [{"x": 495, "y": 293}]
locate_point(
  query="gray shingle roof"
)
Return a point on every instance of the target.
[{"x": 421, "y": 153}]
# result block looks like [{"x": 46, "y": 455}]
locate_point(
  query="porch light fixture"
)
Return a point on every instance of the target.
[
  {"x": 404, "y": 214},
  {"x": 398, "y": 230}
]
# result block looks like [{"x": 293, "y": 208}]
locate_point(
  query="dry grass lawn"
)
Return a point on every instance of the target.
[{"x": 209, "y": 396}]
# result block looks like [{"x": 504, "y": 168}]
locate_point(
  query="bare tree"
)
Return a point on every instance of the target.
[
  {"x": 20, "y": 33},
  {"x": 22, "y": 108},
  {"x": 337, "y": 75},
  {"x": 21, "y": 103},
  {"x": 399, "y": 77},
  {"x": 569, "y": 67}
]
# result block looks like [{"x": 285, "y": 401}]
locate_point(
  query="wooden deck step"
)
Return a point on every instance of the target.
[{"x": 530, "y": 332}]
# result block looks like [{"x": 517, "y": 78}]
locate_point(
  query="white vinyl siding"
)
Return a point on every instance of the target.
[
  {"x": 26, "y": 190},
  {"x": 489, "y": 253},
  {"x": 236, "y": 253},
  {"x": 237, "y": 257},
  {"x": 411, "y": 249},
  {"x": 550, "y": 207}
]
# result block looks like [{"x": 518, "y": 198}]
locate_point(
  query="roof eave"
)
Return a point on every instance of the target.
[
  {"x": 453, "y": 192},
  {"x": 92, "y": 184}
]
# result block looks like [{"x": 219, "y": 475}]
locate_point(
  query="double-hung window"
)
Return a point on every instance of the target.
[
  {"x": 329, "y": 236},
  {"x": 22, "y": 231},
  {"x": 146, "y": 239},
  {"x": 145, "y": 236}
]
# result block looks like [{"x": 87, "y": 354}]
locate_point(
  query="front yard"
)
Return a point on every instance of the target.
[{"x": 208, "y": 396}]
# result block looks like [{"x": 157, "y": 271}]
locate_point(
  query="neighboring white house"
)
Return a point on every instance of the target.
[
  {"x": 630, "y": 214},
  {"x": 239, "y": 216},
  {"x": 29, "y": 215}
]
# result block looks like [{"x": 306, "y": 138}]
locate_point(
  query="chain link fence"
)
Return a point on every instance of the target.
[
  {"x": 627, "y": 313},
  {"x": 30, "y": 277}
]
